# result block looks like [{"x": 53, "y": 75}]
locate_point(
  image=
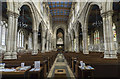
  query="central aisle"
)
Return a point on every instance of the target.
[{"x": 60, "y": 63}]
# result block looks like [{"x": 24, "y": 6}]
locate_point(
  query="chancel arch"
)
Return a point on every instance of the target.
[
  {"x": 56, "y": 27},
  {"x": 60, "y": 39}
]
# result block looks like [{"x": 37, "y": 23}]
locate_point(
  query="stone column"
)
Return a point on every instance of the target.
[
  {"x": 72, "y": 46},
  {"x": 50, "y": 46},
  {"x": 0, "y": 36},
  {"x": 77, "y": 44},
  {"x": 65, "y": 45},
  {"x": 43, "y": 42},
  {"x": 35, "y": 42},
  {"x": 85, "y": 40},
  {"x": 47, "y": 46},
  {"x": 67, "y": 42},
  {"x": 7, "y": 54},
  {"x": 80, "y": 44},
  {"x": 0, "y": 33},
  {"x": 109, "y": 45},
  {"x": 29, "y": 42},
  {"x": 14, "y": 53},
  {"x": 55, "y": 43},
  {"x": 12, "y": 34}
]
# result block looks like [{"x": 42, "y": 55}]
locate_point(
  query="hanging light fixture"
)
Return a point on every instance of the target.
[
  {"x": 97, "y": 23},
  {"x": 22, "y": 24}
]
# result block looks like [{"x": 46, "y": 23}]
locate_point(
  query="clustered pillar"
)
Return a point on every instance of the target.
[
  {"x": 77, "y": 44},
  {"x": 14, "y": 53},
  {"x": 50, "y": 44},
  {"x": 85, "y": 41},
  {"x": 72, "y": 46},
  {"x": 35, "y": 42},
  {"x": 43, "y": 42},
  {"x": 0, "y": 37},
  {"x": 11, "y": 50},
  {"x": 47, "y": 47},
  {"x": 109, "y": 45}
]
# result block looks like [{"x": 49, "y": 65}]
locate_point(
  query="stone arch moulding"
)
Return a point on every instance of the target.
[
  {"x": 57, "y": 27},
  {"x": 55, "y": 31},
  {"x": 9, "y": 5},
  {"x": 32, "y": 8}
]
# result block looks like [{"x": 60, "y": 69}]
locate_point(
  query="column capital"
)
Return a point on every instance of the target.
[
  {"x": 85, "y": 30},
  {"x": 76, "y": 36},
  {"x": 43, "y": 37},
  {"x": 108, "y": 13},
  {"x": 10, "y": 13},
  {"x": 103, "y": 15},
  {"x": 35, "y": 30},
  {"x": 16, "y": 15}
]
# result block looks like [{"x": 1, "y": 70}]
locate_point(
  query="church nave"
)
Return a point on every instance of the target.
[{"x": 49, "y": 39}]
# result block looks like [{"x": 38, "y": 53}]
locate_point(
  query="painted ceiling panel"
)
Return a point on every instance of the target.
[{"x": 60, "y": 10}]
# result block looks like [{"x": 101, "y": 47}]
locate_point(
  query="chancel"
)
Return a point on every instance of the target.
[{"x": 69, "y": 39}]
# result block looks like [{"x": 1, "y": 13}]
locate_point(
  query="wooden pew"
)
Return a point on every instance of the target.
[
  {"x": 97, "y": 61},
  {"x": 46, "y": 60}
]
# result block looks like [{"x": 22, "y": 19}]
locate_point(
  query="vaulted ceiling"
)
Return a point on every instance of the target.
[{"x": 60, "y": 11}]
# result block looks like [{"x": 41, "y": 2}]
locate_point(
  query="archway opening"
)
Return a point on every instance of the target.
[
  {"x": 40, "y": 38},
  {"x": 74, "y": 40},
  {"x": 60, "y": 39},
  {"x": 25, "y": 34},
  {"x": 95, "y": 30},
  {"x": 80, "y": 36},
  {"x": 3, "y": 26},
  {"x": 116, "y": 23},
  {"x": 4, "y": 11}
]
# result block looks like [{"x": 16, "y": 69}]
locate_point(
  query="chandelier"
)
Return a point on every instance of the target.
[
  {"x": 97, "y": 23},
  {"x": 22, "y": 24}
]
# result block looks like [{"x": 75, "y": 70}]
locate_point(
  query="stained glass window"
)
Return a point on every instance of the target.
[
  {"x": 74, "y": 44},
  {"x": 30, "y": 41},
  {"x": 20, "y": 39},
  {"x": 96, "y": 37},
  {"x": 114, "y": 32}
]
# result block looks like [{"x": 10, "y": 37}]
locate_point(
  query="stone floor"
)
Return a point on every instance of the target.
[{"x": 60, "y": 63}]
